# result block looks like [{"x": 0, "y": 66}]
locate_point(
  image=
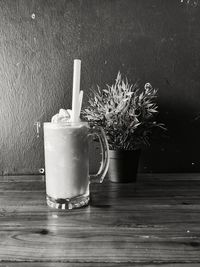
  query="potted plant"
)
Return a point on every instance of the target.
[{"x": 127, "y": 115}]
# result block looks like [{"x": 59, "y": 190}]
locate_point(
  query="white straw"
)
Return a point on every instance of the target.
[
  {"x": 80, "y": 102},
  {"x": 76, "y": 89}
]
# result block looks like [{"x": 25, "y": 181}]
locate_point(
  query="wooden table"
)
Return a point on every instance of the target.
[{"x": 155, "y": 222}]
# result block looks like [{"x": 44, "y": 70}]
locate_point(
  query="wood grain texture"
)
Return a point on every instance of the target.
[
  {"x": 153, "y": 222},
  {"x": 88, "y": 264}
]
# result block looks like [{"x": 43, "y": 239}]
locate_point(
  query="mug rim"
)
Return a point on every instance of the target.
[{"x": 65, "y": 124}]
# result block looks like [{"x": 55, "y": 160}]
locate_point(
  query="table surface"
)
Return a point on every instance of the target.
[{"x": 155, "y": 222}]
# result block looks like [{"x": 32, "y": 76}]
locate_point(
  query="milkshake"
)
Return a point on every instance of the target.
[
  {"x": 66, "y": 154},
  {"x": 66, "y": 151},
  {"x": 66, "y": 161}
]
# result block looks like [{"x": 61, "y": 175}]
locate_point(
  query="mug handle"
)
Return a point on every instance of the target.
[{"x": 100, "y": 175}]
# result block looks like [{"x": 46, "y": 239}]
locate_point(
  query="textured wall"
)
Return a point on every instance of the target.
[{"x": 154, "y": 40}]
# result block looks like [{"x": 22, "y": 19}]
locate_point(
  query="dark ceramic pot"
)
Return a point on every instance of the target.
[{"x": 123, "y": 165}]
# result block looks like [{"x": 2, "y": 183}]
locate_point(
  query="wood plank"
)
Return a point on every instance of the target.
[
  {"x": 98, "y": 245},
  {"x": 100, "y": 216},
  {"x": 36, "y": 183},
  {"x": 140, "y": 177},
  {"x": 92, "y": 264}
]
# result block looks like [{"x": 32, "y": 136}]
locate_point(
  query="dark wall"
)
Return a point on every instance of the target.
[{"x": 157, "y": 41}]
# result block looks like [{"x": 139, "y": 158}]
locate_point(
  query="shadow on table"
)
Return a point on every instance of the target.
[{"x": 111, "y": 194}]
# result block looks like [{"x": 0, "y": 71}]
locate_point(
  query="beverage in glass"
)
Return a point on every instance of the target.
[{"x": 66, "y": 147}]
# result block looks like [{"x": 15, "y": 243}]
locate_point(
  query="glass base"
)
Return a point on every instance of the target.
[{"x": 68, "y": 203}]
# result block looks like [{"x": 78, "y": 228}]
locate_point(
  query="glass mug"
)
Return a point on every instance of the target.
[{"x": 66, "y": 150}]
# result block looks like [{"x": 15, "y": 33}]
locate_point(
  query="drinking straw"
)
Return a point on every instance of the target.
[
  {"x": 80, "y": 102},
  {"x": 76, "y": 89}
]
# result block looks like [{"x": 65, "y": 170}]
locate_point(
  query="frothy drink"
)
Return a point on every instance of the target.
[
  {"x": 66, "y": 160},
  {"x": 66, "y": 153}
]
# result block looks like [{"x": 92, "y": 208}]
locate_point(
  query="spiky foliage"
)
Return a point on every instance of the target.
[{"x": 125, "y": 112}]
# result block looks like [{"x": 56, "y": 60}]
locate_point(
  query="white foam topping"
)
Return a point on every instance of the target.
[{"x": 62, "y": 116}]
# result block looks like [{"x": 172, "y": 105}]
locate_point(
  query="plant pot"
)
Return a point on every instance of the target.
[{"x": 123, "y": 165}]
